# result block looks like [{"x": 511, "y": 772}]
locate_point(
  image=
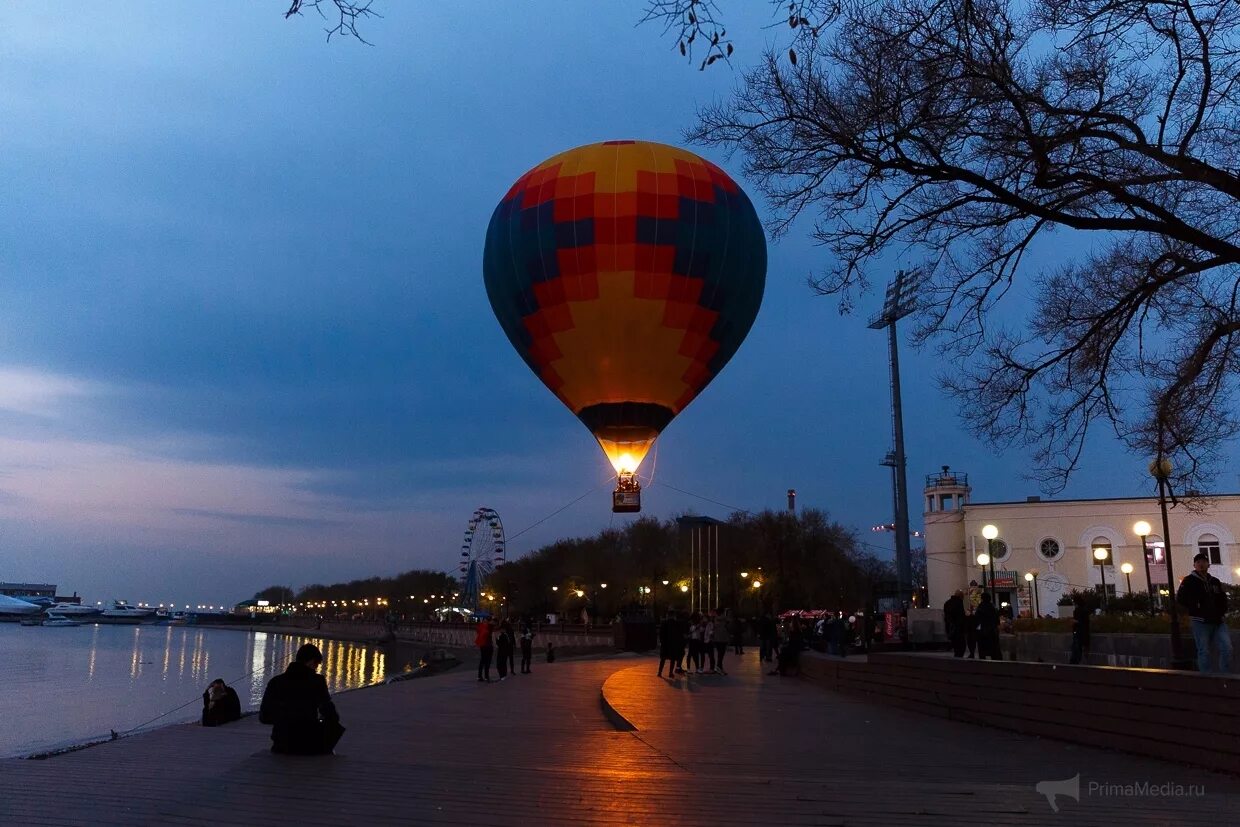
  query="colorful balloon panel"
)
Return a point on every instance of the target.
[{"x": 626, "y": 274}]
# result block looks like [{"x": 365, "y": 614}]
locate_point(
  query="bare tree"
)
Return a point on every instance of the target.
[
  {"x": 345, "y": 15},
  {"x": 968, "y": 135}
]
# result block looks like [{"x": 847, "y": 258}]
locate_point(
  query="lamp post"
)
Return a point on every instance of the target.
[
  {"x": 983, "y": 560},
  {"x": 1032, "y": 579},
  {"x": 1161, "y": 469},
  {"x": 1142, "y": 529},
  {"x": 1127, "y": 570},
  {"x": 1101, "y": 554},
  {"x": 990, "y": 533}
]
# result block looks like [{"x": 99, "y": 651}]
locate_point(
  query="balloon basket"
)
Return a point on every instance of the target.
[{"x": 627, "y": 498}]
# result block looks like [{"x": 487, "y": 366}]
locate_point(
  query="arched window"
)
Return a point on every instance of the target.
[
  {"x": 1208, "y": 544},
  {"x": 1100, "y": 543},
  {"x": 1156, "y": 549}
]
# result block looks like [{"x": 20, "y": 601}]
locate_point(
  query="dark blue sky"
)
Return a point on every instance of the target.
[{"x": 243, "y": 332}]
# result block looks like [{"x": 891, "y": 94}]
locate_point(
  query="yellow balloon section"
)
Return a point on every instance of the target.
[{"x": 626, "y": 274}]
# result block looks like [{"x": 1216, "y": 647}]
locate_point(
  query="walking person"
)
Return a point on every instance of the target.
[
  {"x": 988, "y": 629},
  {"x": 671, "y": 644},
  {"x": 736, "y": 629},
  {"x": 503, "y": 649},
  {"x": 527, "y": 645},
  {"x": 1202, "y": 595},
  {"x": 483, "y": 640},
  {"x": 720, "y": 639},
  {"x": 695, "y": 642},
  {"x": 768, "y": 635},
  {"x": 708, "y": 640},
  {"x": 954, "y": 618}
]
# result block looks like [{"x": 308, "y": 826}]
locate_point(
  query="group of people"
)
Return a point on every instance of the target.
[
  {"x": 972, "y": 623},
  {"x": 698, "y": 642},
  {"x": 498, "y": 641},
  {"x": 697, "y": 639}
]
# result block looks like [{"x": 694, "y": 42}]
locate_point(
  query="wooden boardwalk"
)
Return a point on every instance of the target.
[{"x": 539, "y": 749}]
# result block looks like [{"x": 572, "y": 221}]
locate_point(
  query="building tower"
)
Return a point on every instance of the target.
[{"x": 946, "y": 495}]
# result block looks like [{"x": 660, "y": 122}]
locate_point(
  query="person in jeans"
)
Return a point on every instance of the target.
[{"x": 1204, "y": 598}]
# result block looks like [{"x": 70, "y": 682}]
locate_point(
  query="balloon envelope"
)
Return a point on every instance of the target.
[{"x": 626, "y": 274}]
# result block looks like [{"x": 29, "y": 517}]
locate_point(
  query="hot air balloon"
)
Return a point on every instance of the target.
[{"x": 626, "y": 274}]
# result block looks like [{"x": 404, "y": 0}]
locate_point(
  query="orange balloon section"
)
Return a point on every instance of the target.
[{"x": 626, "y": 274}]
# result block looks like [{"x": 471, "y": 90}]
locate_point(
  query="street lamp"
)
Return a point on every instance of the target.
[
  {"x": 1127, "y": 570},
  {"x": 1101, "y": 554},
  {"x": 983, "y": 560},
  {"x": 1142, "y": 529},
  {"x": 1031, "y": 578},
  {"x": 744, "y": 574},
  {"x": 990, "y": 533},
  {"x": 1160, "y": 470},
  {"x": 757, "y": 584}
]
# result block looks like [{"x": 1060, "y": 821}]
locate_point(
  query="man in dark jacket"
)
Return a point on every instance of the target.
[
  {"x": 220, "y": 704},
  {"x": 954, "y": 618},
  {"x": 988, "y": 629},
  {"x": 299, "y": 708},
  {"x": 1204, "y": 598},
  {"x": 671, "y": 643}
]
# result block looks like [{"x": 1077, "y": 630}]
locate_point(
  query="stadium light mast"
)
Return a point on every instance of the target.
[{"x": 898, "y": 303}]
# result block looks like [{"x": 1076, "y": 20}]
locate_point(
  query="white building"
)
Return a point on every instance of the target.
[{"x": 1056, "y": 540}]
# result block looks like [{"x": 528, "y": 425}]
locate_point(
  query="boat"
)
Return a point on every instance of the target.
[
  {"x": 72, "y": 610},
  {"x": 57, "y": 620},
  {"x": 121, "y": 612},
  {"x": 13, "y": 609}
]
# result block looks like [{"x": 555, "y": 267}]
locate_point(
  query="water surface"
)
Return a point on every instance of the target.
[{"x": 69, "y": 685}]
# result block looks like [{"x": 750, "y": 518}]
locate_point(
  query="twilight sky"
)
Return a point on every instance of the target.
[{"x": 243, "y": 333}]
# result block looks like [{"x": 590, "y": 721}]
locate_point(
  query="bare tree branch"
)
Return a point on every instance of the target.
[{"x": 966, "y": 134}]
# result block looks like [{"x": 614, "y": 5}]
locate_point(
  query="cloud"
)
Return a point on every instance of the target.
[
  {"x": 37, "y": 393},
  {"x": 257, "y": 519}
]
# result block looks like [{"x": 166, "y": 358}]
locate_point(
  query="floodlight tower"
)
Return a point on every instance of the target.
[{"x": 898, "y": 303}]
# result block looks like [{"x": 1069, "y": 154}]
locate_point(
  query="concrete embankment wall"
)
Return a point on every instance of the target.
[
  {"x": 1143, "y": 651},
  {"x": 1178, "y": 716}
]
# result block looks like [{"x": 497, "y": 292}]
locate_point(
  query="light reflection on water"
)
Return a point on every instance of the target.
[{"x": 73, "y": 684}]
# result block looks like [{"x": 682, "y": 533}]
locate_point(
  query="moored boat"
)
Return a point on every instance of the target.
[
  {"x": 57, "y": 620},
  {"x": 120, "y": 611},
  {"x": 13, "y": 609}
]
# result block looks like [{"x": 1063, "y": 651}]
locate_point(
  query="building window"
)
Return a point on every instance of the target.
[
  {"x": 998, "y": 548},
  {"x": 1049, "y": 549},
  {"x": 1100, "y": 543},
  {"x": 947, "y": 503},
  {"x": 1155, "y": 549},
  {"x": 930, "y": 503},
  {"x": 1208, "y": 544}
]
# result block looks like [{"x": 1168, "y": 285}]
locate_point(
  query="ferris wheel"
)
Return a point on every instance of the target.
[{"x": 482, "y": 551}]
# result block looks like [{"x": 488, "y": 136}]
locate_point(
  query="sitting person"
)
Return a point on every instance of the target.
[
  {"x": 220, "y": 704},
  {"x": 299, "y": 709}
]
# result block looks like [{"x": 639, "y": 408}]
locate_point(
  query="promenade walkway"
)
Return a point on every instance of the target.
[{"x": 539, "y": 749}]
